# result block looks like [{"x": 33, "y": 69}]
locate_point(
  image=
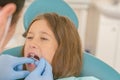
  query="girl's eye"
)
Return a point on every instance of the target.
[
  {"x": 29, "y": 37},
  {"x": 43, "y": 38}
]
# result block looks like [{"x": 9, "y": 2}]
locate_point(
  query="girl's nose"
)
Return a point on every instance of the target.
[
  {"x": 34, "y": 43},
  {"x": 33, "y": 46}
]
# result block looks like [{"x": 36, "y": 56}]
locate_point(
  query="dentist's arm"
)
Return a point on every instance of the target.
[
  {"x": 42, "y": 72},
  {"x": 9, "y": 67}
]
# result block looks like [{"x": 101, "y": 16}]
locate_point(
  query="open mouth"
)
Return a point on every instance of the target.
[{"x": 33, "y": 56}]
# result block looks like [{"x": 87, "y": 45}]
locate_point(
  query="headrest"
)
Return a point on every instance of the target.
[{"x": 44, "y": 6}]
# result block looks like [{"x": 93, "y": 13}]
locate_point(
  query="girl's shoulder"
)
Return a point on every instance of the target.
[{"x": 80, "y": 78}]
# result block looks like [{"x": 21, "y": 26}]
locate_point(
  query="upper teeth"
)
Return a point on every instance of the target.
[{"x": 32, "y": 55}]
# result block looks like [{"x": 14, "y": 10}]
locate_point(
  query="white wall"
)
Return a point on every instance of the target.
[{"x": 103, "y": 37}]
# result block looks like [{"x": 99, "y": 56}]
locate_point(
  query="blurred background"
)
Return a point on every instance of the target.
[{"x": 99, "y": 28}]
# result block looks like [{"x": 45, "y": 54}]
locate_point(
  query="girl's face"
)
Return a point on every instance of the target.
[{"x": 40, "y": 42}]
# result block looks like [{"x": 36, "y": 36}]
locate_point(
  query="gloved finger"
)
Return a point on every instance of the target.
[
  {"x": 23, "y": 60},
  {"x": 21, "y": 74},
  {"x": 36, "y": 63},
  {"x": 18, "y": 68},
  {"x": 48, "y": 69},
  {"x": 41, "y": 66}
]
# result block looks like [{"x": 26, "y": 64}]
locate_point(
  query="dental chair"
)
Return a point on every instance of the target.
[{"x": 92, "y": 66}]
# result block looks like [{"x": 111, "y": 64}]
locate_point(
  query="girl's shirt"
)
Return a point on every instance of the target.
[
  {"x": 77, "y": 78},
  {"x": 80, "y": 78}
]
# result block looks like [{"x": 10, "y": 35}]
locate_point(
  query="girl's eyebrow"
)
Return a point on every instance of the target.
[
  {"x": 29, "y": 32},
  {"x": 46, "y": 33},
  {"x": 42, "y": 32}
]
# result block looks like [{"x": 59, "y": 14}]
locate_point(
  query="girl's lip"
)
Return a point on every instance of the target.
[{"x": 31, "y": 66}]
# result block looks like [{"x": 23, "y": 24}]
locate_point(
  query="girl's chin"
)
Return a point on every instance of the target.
[{"x": 30, "y": 67}]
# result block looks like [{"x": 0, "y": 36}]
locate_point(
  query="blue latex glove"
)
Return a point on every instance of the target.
[
  {"x": 10, "y": 67},
  {"x": 42, "y": 72}
]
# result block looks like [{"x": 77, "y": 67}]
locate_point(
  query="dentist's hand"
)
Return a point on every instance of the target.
[
  {"x": 42, "y": 72},
  {"x": 9, "y": 67}
]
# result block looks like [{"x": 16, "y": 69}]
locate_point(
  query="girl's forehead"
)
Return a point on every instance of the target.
[
  {"x": 40, "y": 24},
  {"x": 40, "y": 27}
]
